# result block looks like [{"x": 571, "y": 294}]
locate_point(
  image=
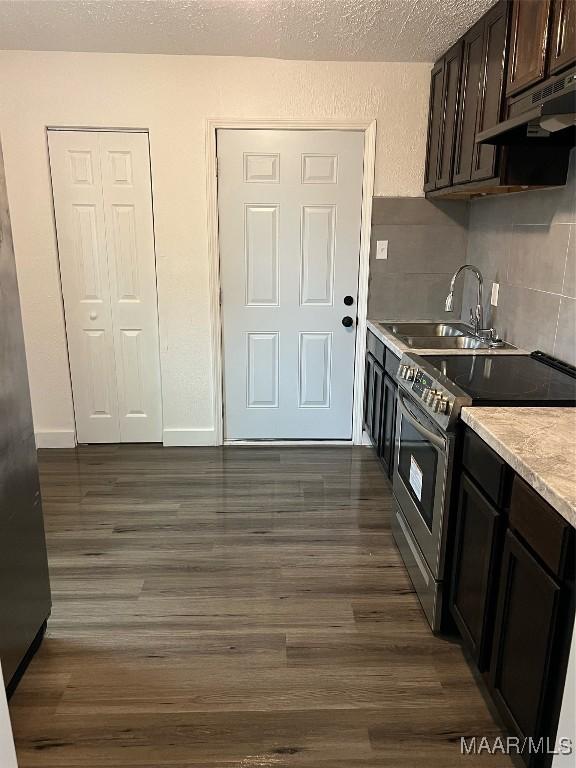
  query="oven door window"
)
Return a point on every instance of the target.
[{"x": 417, "y": 467}]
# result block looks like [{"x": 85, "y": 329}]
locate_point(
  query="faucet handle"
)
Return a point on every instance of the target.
[{"x": 487, "y": 334}]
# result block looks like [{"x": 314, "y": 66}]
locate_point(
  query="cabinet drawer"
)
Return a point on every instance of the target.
[
  {"x": 375, "y": 347},
  {"x": 392, "y": 364},
  {"x": 485, "y": 466},
  {"x": 541, "y": 527}
]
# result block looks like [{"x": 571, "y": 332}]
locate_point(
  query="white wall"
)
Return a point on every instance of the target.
[
  {"x": 172, "y": 96},
  {"x": 7, "y": 753}
]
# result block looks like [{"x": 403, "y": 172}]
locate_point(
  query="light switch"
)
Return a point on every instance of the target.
[
  {"x": 494, "y": 296},
  {"x": 381, "y": 249}
]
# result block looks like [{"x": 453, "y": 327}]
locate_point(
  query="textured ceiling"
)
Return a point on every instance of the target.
[{"x": 345, "y": 30}]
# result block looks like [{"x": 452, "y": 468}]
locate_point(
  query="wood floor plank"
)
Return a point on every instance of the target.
[{"x": 235, "y": 608}]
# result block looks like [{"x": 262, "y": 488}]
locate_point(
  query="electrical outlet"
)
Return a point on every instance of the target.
[
  {"x": 382, "y": 249},
  {"x": 494, "y": 296}
]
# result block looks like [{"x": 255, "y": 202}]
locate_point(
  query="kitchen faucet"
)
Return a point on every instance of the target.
[{"x": 476, "y": 315}]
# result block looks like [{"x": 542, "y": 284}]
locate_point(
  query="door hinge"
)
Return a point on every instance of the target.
[{"x": 217, "y": 166}]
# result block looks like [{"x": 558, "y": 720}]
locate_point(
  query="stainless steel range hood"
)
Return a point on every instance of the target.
[{"x": 545, "y": 114}]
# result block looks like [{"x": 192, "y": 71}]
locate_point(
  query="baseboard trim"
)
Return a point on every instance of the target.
[
  {"x": 189, "y": 437},
  {"x": 57, "y": 438},
  {"x": 293, "y": 443}
]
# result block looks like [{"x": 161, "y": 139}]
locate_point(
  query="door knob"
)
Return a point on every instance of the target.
[
  {"x": 348, "y": 300},
  {"x": 93, "y": 315},
  {"x": 347, "y": 321}
]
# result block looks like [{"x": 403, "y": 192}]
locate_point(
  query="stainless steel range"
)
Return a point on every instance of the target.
[{"x": 431, "y": 392}]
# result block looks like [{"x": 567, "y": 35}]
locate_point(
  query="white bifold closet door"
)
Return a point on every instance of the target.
[
  {"x": 103, "y": 206},
  {"x": 289, "y": 208}
]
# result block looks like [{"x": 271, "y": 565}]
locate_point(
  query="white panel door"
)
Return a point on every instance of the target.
[
  {"x": 103, "y": 207},
  {"x": 289, "y": 207}
]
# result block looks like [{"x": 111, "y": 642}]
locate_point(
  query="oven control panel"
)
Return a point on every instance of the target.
[
  {"x": 427, "y": 385},
  {"x": 425, "y": 388}
]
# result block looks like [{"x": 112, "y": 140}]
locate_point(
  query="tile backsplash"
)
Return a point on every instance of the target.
[
  {"x": 527, "y": 243},
  {"x": 426, "y": 244}
]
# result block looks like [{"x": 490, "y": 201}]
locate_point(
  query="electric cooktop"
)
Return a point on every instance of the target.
[{"x": 535, "y": 379}]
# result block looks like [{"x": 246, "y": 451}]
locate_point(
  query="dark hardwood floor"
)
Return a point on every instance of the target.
[{"x": 236, "y": 607}]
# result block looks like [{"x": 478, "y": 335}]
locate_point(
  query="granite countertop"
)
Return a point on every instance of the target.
[
  {"x": 539, "y": 444},
  {"x": 398, "y": 348}
]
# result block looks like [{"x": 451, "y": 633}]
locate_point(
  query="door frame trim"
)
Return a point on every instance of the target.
[{"x": 212, "y": 125}]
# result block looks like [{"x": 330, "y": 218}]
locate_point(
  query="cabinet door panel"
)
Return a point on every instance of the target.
[
  {"x": 368, "y": 394},
  {"x": 434, "y": 124},
  {"x": 485, "y": 159},
  {"x": 563, "y": 35},
  {"x": 468, "y": 103},
  {"x": 524, "y": 642},
  {"x": 528, "y": 44},
  {"x": 388, "y": 424},
  {"x": 476, "y": 550},
  {"x": 451, "y": 90},
  {"x": 378, "y": 390},
  {"x": 373, "y": 391}
]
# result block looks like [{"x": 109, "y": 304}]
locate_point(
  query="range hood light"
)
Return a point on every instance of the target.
[{"x": 554, "y": 123}]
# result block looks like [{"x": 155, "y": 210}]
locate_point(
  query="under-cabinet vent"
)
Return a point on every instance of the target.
[{"x": 547, "y": 90}]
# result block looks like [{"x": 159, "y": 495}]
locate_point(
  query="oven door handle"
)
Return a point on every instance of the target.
[{"x": 427, "y": 433}]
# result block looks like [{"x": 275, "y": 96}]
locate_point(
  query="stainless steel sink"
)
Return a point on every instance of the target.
[
  {"x": 451, "y": 342},
  {"x": 439, "y": 336},
  {"x": 405, "y": 330},
  {"x": 446, "y": 342}
]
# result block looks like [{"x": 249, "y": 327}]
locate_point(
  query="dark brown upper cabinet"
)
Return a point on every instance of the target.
[
  {"x": 481, "y": 95},
  {"x": 470, "y": 94},
  {"x": 491, "y": 90},
  {"x": 450, "y": 92},
  {"x": 528, "y": 44},
  {"x": 436, "y": 108},
  {"x": 472, "y": 65},
  {"x": 563, "y": 35}
]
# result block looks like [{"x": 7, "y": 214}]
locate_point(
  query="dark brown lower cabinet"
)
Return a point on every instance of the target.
[
  {"x": 526, "y": 643},
  {"x": 373, "y": 394},
  {"x": 512, "y": 593},
  {"x": 368, "y": 394},
  {"x": 477, "y": 549},
  {"x": 388, "y": 424},
  {"x": 380, "y": 399}
]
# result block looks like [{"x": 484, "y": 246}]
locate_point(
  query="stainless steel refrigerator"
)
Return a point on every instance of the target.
[{"x": 24, "y": 584}]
